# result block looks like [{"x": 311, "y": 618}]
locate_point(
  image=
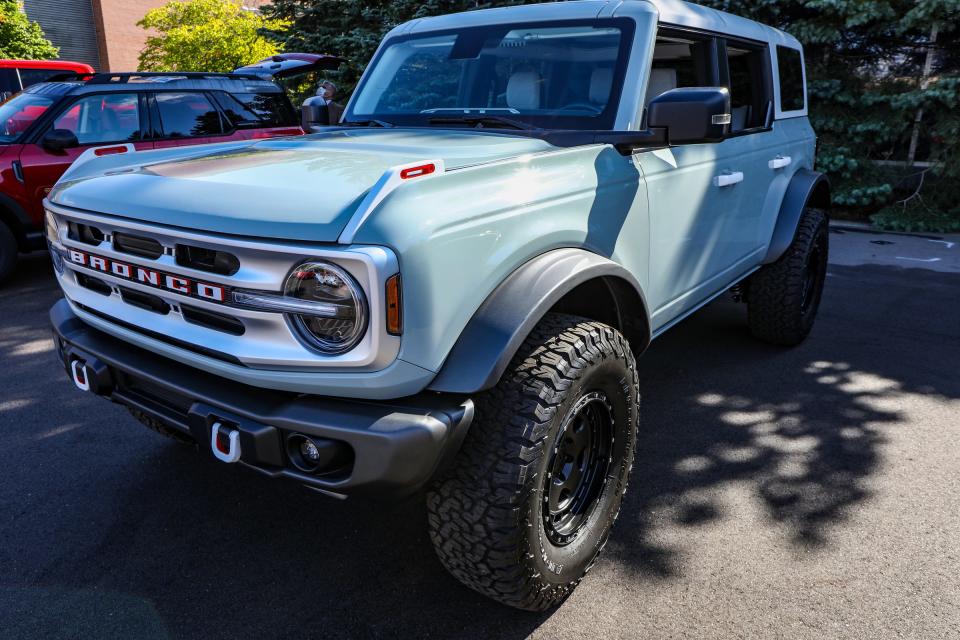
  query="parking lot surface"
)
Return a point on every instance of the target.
[{"x": 809, "y": 493}]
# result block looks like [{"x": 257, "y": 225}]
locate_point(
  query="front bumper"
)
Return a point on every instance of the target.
[{"x": 388, "y": 447}]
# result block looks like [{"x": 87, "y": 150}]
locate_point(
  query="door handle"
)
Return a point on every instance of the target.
[
  {"x": 779, "y": 162},
  {"x": 728, "y": 179}
]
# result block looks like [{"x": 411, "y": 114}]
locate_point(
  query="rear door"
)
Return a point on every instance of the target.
[
  {"x": 750, "y": 147},
  {"x": 97, "y": 120},
  {"x": 182, "y": 118}
]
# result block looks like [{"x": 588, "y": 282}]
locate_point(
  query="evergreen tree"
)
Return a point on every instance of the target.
[{"x": 20, "y": 38}]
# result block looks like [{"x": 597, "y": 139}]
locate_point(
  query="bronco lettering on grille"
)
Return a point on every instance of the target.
[{"x": 158, "y": 279}]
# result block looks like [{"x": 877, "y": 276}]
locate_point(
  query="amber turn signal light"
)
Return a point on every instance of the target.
[{"x": 394, "y": 311}]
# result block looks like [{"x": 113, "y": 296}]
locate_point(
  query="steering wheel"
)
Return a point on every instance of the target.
[{"x": 585, "y": 106}]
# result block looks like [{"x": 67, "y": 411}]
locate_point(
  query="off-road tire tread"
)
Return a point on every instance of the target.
[
  {"x": 157, "y": 425},
  {"x": 478, "y": 511},
  {"x": 774, "y": 292}
]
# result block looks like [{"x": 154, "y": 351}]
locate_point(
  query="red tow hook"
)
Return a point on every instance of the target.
[{"x": 225, "y": 442}]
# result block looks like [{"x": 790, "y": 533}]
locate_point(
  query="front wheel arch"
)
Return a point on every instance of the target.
[{"x": 573, "y": 281}]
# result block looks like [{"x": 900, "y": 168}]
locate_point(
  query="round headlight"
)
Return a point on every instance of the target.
[{"x": 337, "y": 323}]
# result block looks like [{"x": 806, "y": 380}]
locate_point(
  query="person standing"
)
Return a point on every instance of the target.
[{"x": 326, "y": 111}]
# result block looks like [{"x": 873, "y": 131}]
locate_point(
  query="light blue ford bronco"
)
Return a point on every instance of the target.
[{"x": 449, "y": 289}]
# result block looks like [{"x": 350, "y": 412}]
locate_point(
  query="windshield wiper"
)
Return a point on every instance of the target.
[
  {"x": 481, "y": 122},
  {"x": 369, "y": 123}
]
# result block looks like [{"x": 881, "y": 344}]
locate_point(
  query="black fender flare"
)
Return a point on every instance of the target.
[
  {"x": 806, "y": 189},
  {"x": 508, "y": 315}
]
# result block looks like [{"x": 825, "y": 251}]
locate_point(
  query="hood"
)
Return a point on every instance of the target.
[{"x": 303, "y": 188}]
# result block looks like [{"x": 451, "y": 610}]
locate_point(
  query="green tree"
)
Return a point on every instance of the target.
[
  {"x": 20, "y": 38},
  {"x": 205, "y": 35}
]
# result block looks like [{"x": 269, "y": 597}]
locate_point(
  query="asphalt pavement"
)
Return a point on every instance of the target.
[{"x": 777, "y": 493}]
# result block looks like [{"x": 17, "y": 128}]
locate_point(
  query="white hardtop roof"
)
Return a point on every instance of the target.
[{"x": 673, "y": 12}]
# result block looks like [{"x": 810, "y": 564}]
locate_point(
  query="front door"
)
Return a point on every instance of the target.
[{"x": 96, "y": 120}]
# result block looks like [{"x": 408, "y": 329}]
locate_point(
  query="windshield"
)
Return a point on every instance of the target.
[
  {"x": 551, "y": 76},
  {"x": 18, "y": 113}
]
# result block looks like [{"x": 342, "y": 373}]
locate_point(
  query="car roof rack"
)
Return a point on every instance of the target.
[{"x": 161, "y": 76}]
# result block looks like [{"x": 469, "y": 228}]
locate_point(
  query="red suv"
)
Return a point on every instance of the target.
[{"x": 48, "y": 125}]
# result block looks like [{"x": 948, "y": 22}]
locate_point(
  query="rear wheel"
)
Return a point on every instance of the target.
[
  {"x": 532, "y": 496},
  {"x": 8, "y": 251},
  {"x": 783, "y": 297}
]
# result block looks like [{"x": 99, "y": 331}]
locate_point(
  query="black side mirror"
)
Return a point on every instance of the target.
[
  {"x": 314, "y": 113},
  {"x": 58, "y": 140},
  {"x": 691, "y": 114}
]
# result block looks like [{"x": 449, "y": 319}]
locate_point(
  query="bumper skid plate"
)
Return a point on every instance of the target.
[{"x": 380, "y": 448}]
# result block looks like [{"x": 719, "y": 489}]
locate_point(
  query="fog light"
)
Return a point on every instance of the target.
[
  {"x": 317, "y": 455},
  {"x": 309, "y": 451}
]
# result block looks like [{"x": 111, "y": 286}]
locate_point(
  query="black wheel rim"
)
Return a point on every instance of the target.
[
  {"x": 577, "y": 469},
  {"x": 813, "y": 276}
]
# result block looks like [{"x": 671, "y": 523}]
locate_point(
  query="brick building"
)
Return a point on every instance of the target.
[{"x": 102, "y": 33}]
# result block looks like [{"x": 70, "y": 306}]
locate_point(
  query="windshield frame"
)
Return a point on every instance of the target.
[{"x": 604, "y": 121}]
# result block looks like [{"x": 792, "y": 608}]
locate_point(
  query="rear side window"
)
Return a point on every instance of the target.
[
  {"x": 790, "y": 70},
  {"x": 188, "y": 115},
  {"x": 255, "y": 110}
]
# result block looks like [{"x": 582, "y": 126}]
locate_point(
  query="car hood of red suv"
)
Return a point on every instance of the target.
[{"x": 304, "y": 188}]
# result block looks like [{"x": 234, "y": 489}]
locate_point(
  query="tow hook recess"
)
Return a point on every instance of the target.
[
  {"x": 81, "y": 378},
  {"x": 225, "y": 442}
]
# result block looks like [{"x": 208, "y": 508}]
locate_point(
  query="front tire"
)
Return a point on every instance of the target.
[
  {"x": 783, "y": 297},
  {"x": 531, "y": 498}
]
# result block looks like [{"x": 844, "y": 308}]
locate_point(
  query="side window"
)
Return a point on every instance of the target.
[
  {"x": 679, "y": 61},
  {"x": 253, "y": 110},
  {"x": 790, "y": 71},
  {"x": 103, "y": 118},
  {"x": 188, "y": 115},
  {"x": 749, "y": 89}
]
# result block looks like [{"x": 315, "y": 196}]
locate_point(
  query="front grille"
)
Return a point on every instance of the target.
[
  {"x": 209, "y": 260},
  {"x": 137, "y": 246},
  {"x": 179, "y": 286}
]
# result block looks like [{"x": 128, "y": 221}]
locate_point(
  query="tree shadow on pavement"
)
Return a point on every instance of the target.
[{"x": 801, "y": 428}]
